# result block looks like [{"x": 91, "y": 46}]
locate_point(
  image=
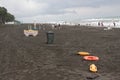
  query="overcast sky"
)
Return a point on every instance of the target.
[{"x": 60, "y": 10}]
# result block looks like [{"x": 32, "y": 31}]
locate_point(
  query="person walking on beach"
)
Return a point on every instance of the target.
[
  {"x": 102, "y": 24},
  {"x": 98, "y": 23},
  {"x": 114, "y": 24},
  {"x": 59, "y": 26}
]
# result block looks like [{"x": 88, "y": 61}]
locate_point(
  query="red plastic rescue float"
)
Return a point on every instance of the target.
[{"x": 91, "y": 58}]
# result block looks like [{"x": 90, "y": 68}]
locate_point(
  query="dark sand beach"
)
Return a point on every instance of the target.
[{"x": 30, "y": 58}]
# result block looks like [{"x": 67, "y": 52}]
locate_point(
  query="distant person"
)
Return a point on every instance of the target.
[
  {"x": 114, "y": 23},
  {"x": 53, "y": 26},
  {"x": 102, "y": 24},
  {"x": 78, "y": 24},
  {"x": 59, "y": 26},
  {"x": 98, "y": 23}
]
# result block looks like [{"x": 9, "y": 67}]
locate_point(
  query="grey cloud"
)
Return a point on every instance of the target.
[
  {"x": 79, "y": 3},
  {"x": 58, "y": 6},
  {"x": 61, "y": 7}
]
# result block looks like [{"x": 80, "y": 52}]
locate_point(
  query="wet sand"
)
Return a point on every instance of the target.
[{"x": 30, "y": 58}]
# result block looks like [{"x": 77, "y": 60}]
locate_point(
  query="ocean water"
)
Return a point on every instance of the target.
[{"x": 107, "y": 22}]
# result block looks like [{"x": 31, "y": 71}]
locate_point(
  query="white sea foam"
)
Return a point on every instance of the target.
[{"x": 107, "y": 22}]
